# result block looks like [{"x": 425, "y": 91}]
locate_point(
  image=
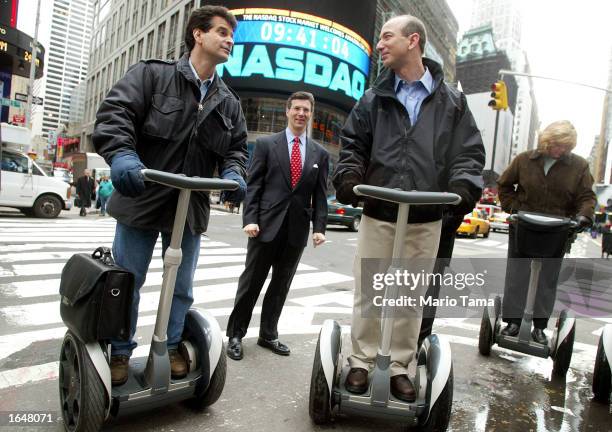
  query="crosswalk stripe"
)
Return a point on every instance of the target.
[
  {"x": 82, "y": 247},
  {"x": 56, "y": 268},
  {"x": 47, "y": 287},
  {"x": 47, "y": 256},
  {"x": 48, "y": 313}
]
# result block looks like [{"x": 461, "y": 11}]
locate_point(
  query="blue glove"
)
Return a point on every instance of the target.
[
  {"x": 235, "y": 196},
  {"x": 126, "y": 175}
]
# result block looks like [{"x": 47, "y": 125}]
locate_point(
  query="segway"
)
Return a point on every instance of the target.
[
  {"x": 87, "y": 398},
  {"x": 602, "y": 377},
  {"x": 434, "y": 372},
  {"x": 538, "y": 236}
]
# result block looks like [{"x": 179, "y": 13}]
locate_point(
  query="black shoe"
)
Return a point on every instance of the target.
[
  {"x": 234, "y": 348},
  {"x": 275, "y": 346},
  {"x": 357, "y": 381},
  {"x": 511, "y": 329},
  {"x": 402, "y": 388},
  {"x": 539, "y": 336}
]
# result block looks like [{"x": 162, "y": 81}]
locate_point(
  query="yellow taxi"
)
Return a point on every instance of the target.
[{"x": 475, "y": 223}]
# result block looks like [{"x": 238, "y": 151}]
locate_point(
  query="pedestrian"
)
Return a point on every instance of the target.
[
  {"x": 86, "y": 190},
  {"x": 105, "y": 189},
  {"x": 550, "y": 180},
  {"x": 178, "y": 117},
  {"x": 410, "y": 131},
  {"x": 287, "y": 189}
]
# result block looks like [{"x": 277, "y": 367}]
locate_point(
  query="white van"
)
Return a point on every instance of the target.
[{"x": 25, "y": 186}]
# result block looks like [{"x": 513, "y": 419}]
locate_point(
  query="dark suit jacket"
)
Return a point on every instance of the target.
[{"x": 270, "y": 199}]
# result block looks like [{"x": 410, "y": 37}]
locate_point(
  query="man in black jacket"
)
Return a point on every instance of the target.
[
  {"x": 85, "y": 190},
  {"x": 413, "y": 132},
  {"x": 177, "y": 117},
  {"x": 287, "y": 188}
]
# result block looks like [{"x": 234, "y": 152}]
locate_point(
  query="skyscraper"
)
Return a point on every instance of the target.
[
  {"x": 505, "y": 19},
  {"x": 71, "y": 23}
]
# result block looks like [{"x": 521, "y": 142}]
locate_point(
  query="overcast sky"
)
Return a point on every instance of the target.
[{"x": 568, "y": 40}]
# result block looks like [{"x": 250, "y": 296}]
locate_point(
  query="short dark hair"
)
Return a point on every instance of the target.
[
  {"x": 301, "y": 95},
  {"x": 201, "y": 18},
  {"x": 415, "y": 25}
]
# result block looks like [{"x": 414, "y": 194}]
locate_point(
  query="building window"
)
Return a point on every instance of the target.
[
  {"x": 130, "y": 59},
  {"x": 172, "y": 34},
  {"x": 143, "y": 14},
  {"x": 135, "y": 20},
  {"x": 161, "y": 31},
  {"x": 139, "y": 49},
  {"x": 123, "y": 65},
  {"x": 150, "y": 37},
  {"x": 153, "y": 8}
]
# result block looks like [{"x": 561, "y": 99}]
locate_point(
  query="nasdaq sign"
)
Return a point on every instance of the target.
[{"x": 281, "y": 50}]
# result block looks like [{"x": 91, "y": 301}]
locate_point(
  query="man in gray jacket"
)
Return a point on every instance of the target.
[
  {"x": 413, "y": 132},
  {"x": 177, "y": 117}
]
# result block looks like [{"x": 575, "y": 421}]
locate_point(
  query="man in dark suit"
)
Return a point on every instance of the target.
[{"x": 286, "y": 189}]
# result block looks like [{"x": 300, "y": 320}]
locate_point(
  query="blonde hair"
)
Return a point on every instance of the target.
[{"x": 561, "y": 133}]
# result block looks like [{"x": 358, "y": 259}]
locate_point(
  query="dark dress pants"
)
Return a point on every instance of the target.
[
  {"x": 450, "y": 223},
  {"x": 516, "y": 286},
  {"x": 283, "y": 258}
]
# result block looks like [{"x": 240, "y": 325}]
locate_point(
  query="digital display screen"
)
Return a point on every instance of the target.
[{"x": 287, "y": 50}]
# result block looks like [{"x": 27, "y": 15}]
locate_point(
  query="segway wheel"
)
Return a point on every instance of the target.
[
  {"x": 439, "y": 415},
  {"x": 485, "y": 337},
  {"x": 602, "y": 377},
  {"x": 215, "y": 386},
  {"x": 319, "y": 406},
  {"x": 563, "y": 353},
  {"x": 82, "y": 394}
]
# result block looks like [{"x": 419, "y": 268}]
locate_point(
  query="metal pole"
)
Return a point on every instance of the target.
[
  {"x": 494, "y": 145},
  {"x": 28, "y": 112},
  {"x": 509, "y": 72}
]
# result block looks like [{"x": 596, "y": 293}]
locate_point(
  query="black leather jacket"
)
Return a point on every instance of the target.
[{"x": 154, "y": 110}]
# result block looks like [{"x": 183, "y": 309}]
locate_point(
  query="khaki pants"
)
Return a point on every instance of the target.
[{"x": 376, "y": 241}]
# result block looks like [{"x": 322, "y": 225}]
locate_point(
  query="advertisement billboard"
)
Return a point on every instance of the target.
[{"x": 318, "y": 46}]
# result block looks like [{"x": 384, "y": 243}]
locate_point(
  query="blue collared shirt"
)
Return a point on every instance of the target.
[
  {"x": 204, "y": 85},
  {"x": 290, "y": 138},
  {"x": 412, "y": 94}
]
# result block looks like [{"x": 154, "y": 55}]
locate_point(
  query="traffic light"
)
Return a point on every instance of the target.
[{"x": 499, "y": 93}]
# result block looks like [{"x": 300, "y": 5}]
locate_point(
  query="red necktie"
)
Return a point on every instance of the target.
[{"x": 296, "y": 162}]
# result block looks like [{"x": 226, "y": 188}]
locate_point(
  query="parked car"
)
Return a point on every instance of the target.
[
  {"x": 27, "y": 187},
  {"x": 475, "y": 223},
  {"x": 340, "y": 214},
  {"x": 499, "y": 221}
]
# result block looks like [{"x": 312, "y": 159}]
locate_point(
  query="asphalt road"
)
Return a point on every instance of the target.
[{"x": 507, "y": 391}]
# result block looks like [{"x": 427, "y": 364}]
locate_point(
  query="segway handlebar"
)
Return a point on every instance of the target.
[
  {"x": 543, "y": 220},
  {"x": 407, "y": 197},
  {"x": 181, "y": 181}
]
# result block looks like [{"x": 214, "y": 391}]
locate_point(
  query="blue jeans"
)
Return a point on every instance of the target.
[
  {"x": 103, "y": 201},
  {"x": 132, "y": 250}
]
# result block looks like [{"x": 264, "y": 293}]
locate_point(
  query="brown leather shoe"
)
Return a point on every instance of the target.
[
  {"x": 402, "y": 388},
  {"x": 178, "y": 365},
  {"x": 357, "y": 381},
  {"x": 119, "y": 369}
]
